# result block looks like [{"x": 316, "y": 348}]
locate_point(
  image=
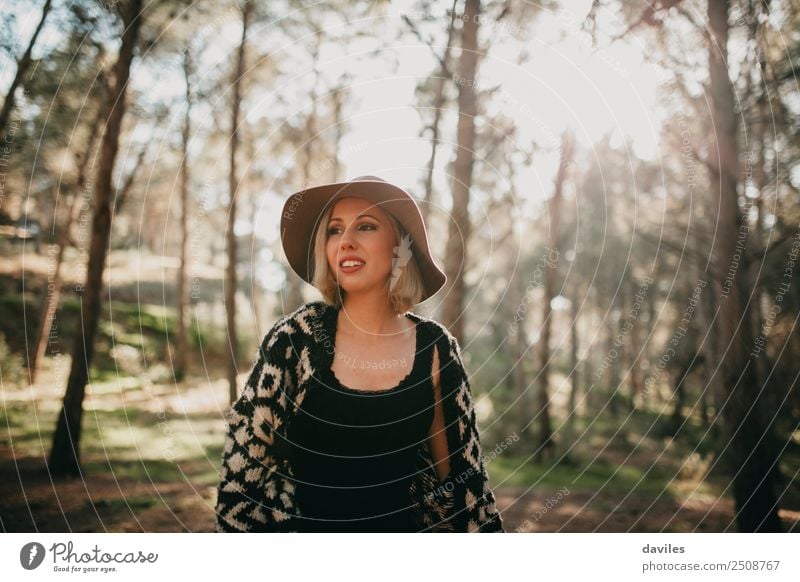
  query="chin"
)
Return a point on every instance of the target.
[
  {"x": 361, "y": 287},
  {"x": 351, "y": 289}
]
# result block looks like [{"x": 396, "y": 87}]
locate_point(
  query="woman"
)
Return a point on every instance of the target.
[{"x": 357, "y": 415}]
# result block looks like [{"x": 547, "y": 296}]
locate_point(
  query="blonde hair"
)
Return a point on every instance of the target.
[{"x": 407, "y": 290}]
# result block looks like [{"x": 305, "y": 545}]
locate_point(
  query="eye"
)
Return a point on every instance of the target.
[{"x": 369, "y": 226}]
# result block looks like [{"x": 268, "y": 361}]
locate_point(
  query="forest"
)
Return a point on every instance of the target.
[{"x": 612, "y": 188}]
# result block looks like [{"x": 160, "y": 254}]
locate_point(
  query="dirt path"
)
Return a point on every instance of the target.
[
  {"x": 30, "y": 501},
  {"x": 100, "y": 503},
  {"x": 180, "y": 497},
  {"x": 588, "y": 511}
]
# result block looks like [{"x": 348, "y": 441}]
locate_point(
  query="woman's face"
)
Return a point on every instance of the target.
[{"x": 362, "y": 230}]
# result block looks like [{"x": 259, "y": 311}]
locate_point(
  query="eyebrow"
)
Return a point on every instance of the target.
[{"x": 359, "y": 216}]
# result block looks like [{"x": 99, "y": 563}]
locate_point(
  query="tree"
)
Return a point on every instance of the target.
[
  {"x": 460, "y": 224},
  {"x": 546, "y": 446},
  {"x": 440, "y": 80},
  {"x": 748, "y": 452},
  {"x": 51, "y": 298},
  {"x": 23, "y": 65},
  {"x": 181, "y": 342},
  {"x": 65, "y": 453},
  {"x": 233, "y": 187},
  {"x": 66, "y": 74}
]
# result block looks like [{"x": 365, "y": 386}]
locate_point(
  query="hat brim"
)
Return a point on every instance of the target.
[{"x": 303, "y": 210}]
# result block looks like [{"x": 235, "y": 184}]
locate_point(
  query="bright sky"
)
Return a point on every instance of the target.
[{"x": 564, "y": 83}]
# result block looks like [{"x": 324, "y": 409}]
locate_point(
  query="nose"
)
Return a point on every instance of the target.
[{"x": 346, "y": 240}]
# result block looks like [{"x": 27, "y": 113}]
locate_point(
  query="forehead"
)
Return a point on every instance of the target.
[{"x": 352, "y": 206}]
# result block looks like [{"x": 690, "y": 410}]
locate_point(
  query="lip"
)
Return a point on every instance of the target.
[{"x": 351, "y": 269}]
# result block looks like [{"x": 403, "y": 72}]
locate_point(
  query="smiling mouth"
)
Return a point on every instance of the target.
[
  {"x": 351, "y": 266},
  {"x": 349, "y": 263}
]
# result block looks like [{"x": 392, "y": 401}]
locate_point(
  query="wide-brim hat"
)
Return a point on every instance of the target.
[{"x": 304, "y": 209}]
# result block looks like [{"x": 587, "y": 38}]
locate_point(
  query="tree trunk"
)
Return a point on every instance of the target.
[
  {"x": 53, "y": 294},
  {"x": 338, "y": 102},
  {"x": 621, "y": 338},
  {"x": 569, "y": 425},
  {"x": 633, "y": 355},
  {"x": 573, "y": 356},
  {"x": 438, "y": 105},
  {"x": 181, "y": 341},
  {"x": 612, "y": 372},
  {"x": 295, "y": 296},
  {"x": 22, "y": 67},
  {"x": 704, "y": 314},
  {"x": 679, "y": 395},
  {"x": 546, "y": 446},
  {"x": 760, "y": 300},
  {"x": 230, "y": 269},
  {"x": 519, "y": 379},
  {"x": 748, "y": 455},
  {"x": 460, "y": 227},
  {"x": 65, "y": 454}
]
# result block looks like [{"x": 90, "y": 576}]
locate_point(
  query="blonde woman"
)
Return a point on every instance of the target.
[{"x": 357, "y": 415}]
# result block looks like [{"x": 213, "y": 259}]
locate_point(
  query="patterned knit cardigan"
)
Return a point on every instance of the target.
[{"x": 256, "y": 490}]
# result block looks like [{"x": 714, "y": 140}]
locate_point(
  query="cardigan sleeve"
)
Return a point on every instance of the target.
[
  {"x": 474, "y": 505},
  {"x": 254, "y": 492}
]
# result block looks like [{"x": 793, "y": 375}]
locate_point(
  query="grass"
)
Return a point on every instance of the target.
[
  {"x": 139, "y": 444},
  {"x": 596, "y": 475},
  {"x": 145, "y": 327},
  {"x": 128, "y": 443},
  {"x": 621, "y": 454}
]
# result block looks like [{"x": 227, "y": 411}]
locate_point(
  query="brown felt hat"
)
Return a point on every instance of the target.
[{"x": 303, "y": 210}]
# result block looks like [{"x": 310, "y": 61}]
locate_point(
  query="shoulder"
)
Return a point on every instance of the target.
[
  {"x": 302, "y": 324},
  {"x": 438, "y": 330},
  {"x": 446, "y": 353}
]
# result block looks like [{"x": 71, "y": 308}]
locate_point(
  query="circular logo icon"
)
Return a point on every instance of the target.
[{"x": 31, "y": 555}]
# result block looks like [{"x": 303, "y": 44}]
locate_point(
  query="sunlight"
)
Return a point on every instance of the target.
[
  {"x": 565, "y": 84},
  {"x": 584, "y": 164}
]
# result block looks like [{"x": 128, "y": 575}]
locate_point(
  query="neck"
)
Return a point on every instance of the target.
[{"x": 369, "y": 314}]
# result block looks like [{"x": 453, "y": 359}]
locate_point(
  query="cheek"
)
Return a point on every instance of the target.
[
  {"x": 389, "y": 245},
  {"x": 385, "y": 242},
  {"x": 377, "y": 247}
]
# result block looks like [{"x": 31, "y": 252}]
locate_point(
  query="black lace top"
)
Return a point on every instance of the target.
[{"x": 353, "y": 451}]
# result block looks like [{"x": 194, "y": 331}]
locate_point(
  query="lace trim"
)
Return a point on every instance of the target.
[{"x": 414, "y": 367}]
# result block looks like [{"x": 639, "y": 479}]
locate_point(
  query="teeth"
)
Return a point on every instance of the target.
[{"x": 351, "y": 263}]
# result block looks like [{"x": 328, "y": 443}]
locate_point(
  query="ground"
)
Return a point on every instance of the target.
[
  {"x": 151, "y": 452},
  {"x": 103, "y": 503}
]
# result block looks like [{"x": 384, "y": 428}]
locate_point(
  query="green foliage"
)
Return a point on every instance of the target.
[
  {"x": 127, "y": 442},
  {"x": 150, "y": 329},
  {"x": 592, "y": 474}
]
